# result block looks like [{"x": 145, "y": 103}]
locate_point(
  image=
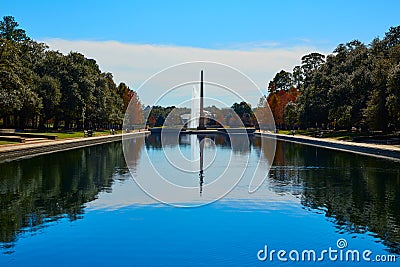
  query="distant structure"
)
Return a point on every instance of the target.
[
  {"x": 192, "y": 121},
  {"x": 195, "y": 110},
  {"x": 197, "y": 118},
  {"x": 201, "y": 119}
]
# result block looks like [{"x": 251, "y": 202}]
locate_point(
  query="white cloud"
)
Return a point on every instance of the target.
[{"x": 134, "y": 63}]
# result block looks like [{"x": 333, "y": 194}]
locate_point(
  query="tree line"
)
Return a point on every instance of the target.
[
  {"x": 42, "y": 88},
  {"x": 357, "y": 86},
  {"x": 237, "y": 115}
]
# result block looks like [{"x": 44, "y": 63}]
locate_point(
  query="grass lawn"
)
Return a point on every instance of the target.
[
  {"x": 343, "y": 135},
  {"x": 284, "y": 131},
  {"x": 63, "y": 135},
  {"x": 75, "y": 134},
  {"x": 338, "y": 135},
  {"x": 8, "y": 143}
]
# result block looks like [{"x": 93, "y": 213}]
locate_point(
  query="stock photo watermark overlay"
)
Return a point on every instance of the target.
[
  {"x": 340, "y": 252},
  {"x": 195, "y": 86}
]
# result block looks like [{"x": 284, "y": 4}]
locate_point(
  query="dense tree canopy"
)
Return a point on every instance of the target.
[
  {"x": 9, "y": 30},
  {"x": 245, "y": 113},
  {"x": 282, "y": 91},
  {"x": 40, "y": 87},
  {"x": 237, "y": 115},
  {"x": 357, "y": 85}
]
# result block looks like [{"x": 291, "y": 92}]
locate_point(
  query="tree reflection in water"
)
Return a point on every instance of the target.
[
  {"x": 42, "y": 189},
  {"x": 359, "y": 193}
]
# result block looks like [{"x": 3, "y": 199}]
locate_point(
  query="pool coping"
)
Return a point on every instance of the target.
[
  {"x": 18, "y": 151},
  {"x": 376, "y": 150}
]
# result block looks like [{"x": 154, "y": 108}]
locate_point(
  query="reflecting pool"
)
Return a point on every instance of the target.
[{"x": 82, "y": 207}]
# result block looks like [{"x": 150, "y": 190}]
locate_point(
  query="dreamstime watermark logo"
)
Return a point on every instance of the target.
[
  {"x": 183, "y": 88},
  {"x": 340, "y": 253}
]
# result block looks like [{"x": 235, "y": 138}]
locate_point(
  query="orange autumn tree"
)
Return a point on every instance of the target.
[
  {"x": 281, "y": 92},
  {"x": 133, "y": 111}
]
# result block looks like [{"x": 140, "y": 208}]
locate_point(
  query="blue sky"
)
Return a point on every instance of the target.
[
  {"x": 135, "y": 39},
  {"x": 207, "y": 24}
]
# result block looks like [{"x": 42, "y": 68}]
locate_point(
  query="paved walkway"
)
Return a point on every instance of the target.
[
  {"x": 13, "y": 151},
  {"x": 376, "y": 150}
]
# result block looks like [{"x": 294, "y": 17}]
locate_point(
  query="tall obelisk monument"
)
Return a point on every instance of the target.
[{"x": 201, "y": 119}]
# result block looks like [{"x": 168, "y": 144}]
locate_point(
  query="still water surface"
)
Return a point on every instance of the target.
[{"x": 82, "y": 208}]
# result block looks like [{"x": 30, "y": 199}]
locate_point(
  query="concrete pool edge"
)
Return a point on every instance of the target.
[
  {"x": 382, "y": 151},
  {"x": 17, "y": 151}
]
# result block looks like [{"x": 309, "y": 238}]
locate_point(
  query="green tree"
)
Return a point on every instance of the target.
[
  {"x": 49, "y": 90},
  {"x": 349, "y": 82},
  {"x": 376, "y": 113},
  {"x": 38, "y": 85},
  {"x": 393, "y": 98},
  {"x": 104, "y": 108},
  {"x": 20, "y": 102},
  {"x": 310, "y": 63},
  {"x": 313, "y": 101},
  {"x": 159, "y": 114},
  {"x": 282, "y": 81},
  {"x": 298, "y": 77},
  {"x": 245, "y": 113},
  {"x": 291, "y": 115},
  {"x": 392, "y": 37},
  {"x": 356, "y": 85},
  {"x": 9, "y": 30},
  {"x": 10, "y": 94}
]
